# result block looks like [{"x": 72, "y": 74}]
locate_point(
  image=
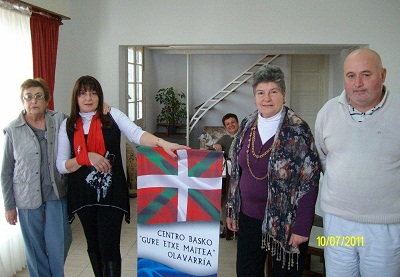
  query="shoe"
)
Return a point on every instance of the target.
[
  {"x": 97, "y": 265},
  {"x": 112, "y": 268},
  {"x": 230, "y": 235},
  {"x": 222, "y": 234}
]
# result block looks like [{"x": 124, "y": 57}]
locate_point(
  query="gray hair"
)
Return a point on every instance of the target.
[{"x": 269, "y": 73}]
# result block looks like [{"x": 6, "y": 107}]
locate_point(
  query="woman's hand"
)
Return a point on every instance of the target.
[
  {"x": 170, "y": 147},
  {"x": 232, "y": 224},
  {"x": 12, "y": 216},
  {"x": 99, "y": 162},
  {"x": 296, "y": 240},
  {"x": 106, "y": 108},
  {"x": 217, "y": 147}
]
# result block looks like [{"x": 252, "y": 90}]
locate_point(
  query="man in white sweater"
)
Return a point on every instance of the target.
[{"x": 358, "y": 140}]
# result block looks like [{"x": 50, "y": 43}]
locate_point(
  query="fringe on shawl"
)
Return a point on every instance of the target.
[{"x": 279, "y": 252}]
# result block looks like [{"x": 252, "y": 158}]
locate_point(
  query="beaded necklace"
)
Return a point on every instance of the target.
[{"x": 252, "y": 139}]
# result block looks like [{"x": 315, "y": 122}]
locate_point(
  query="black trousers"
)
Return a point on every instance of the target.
[
  {"x": 251, "y": 258},
  {"x": 102, "y": 227}
]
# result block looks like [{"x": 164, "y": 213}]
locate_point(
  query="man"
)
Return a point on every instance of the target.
[
  {"x": 358, "y": 140},
  {"x": 231, "y": 124}
]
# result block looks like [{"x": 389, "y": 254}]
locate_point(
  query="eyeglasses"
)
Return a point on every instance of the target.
[{"x": 29, "y": 97}]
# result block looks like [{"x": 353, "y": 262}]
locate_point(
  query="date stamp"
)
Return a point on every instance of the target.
[{"x": 344, "y": 241}]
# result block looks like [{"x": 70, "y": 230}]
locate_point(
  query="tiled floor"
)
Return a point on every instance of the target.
[{"x": 78, "y": 264}]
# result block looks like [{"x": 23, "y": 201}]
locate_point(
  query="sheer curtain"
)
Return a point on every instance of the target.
[{"x": 15, "y": 67}]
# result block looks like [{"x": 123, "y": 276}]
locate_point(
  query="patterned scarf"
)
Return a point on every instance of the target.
[{"x": 95, "y": 140}]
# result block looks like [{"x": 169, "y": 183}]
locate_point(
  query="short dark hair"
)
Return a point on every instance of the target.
[
  {"x": 270, "y": 73},
  {"x": 229, "y": 115}
]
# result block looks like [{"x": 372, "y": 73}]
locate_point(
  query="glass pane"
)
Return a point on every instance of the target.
[
  {"x": 139, "y": 110},
  {"x": 131, "y": 91},
  {"x": 139, "y": 92},
  {"x": 130, "y": 73},
  {"x": 131, "y": 111},
  {"x": 139, "y": 72},
  {"x": 139, "y": 58},
  {"x": 130, "y": 55}
]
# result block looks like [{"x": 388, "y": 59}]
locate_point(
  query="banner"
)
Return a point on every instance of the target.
[{"x": 179, "y": 204}]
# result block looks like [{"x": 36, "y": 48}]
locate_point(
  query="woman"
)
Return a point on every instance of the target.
[
  {"x": 231, "y": 125},
  {"x": 32, "y": 184},
  {"x": 274, "y": 182},
  {"x": 98, "y": 190}
]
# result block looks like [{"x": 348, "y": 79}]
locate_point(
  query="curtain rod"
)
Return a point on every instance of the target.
[
  {"x": 28, "y": 8},
  {"x": 14, "y": 5},
  {"x": 46, "y": 14}
]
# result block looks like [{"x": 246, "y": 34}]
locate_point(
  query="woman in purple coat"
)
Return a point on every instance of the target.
[{"x": 274, "y": 182}]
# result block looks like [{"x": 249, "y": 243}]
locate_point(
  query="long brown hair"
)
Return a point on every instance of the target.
[{"x": 86, "y": 82}]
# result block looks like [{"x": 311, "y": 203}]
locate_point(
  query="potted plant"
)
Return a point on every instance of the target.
[{"x": 173, "y": 110}]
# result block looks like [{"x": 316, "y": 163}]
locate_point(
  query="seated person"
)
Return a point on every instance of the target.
[{"x": 231, "y": 124}]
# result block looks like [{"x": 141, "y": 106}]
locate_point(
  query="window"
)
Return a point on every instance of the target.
[
  {"x": 135, "y": 85},
  {"x": 16, "y": 66}
]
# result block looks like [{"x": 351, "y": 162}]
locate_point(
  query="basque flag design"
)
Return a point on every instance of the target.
[{"x": 175, "y": 190}]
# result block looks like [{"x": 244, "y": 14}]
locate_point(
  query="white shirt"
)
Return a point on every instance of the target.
[
  {"x": 126, "y": 126},
  {"x": 267, "y": 126}
]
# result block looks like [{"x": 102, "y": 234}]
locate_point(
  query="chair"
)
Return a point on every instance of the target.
[
  {"x": 316, "y": 250},
  {"x": 131, "y": 168}
]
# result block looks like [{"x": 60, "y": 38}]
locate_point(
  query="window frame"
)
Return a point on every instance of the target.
[{"x": 135, "y": 105}]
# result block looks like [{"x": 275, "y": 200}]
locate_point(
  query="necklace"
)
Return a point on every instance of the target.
[{"x": 252, "y": 139}]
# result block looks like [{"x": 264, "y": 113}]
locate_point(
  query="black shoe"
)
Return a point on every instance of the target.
[
  {"x": 112, "y": 268},
  {"x": 97, "y": 265},
  {"x": 222, "y": 234}
]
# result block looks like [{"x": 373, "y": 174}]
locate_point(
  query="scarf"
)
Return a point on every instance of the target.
[{"x": 95, "y": 140}]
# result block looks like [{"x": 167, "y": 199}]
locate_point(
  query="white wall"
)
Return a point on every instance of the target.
[
  {"x": 89, "y": 42},
  {"x": 60, "y": 7}
]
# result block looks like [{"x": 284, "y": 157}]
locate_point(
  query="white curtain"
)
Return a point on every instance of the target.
[{"x": 15, "y": 67}]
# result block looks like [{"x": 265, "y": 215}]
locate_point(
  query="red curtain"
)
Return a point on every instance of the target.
[{"x": 44, "y": 32}]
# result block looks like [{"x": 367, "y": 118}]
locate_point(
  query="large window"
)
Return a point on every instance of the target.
[
  {"x": 15, "y": 67},
  {"x": 135, "y": 85}
]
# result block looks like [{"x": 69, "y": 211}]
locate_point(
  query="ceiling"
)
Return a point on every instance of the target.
[{"x": 288, "y": 49}]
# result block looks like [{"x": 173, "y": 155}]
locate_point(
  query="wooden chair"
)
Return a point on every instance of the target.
[
  {"x": 268, "y": 265},
  {"x": 315, "y": 250}
]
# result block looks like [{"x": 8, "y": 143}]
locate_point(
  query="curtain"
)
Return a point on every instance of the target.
[
  {"x": 15, "y": 67},
  {"x": 44, "y": 31}
]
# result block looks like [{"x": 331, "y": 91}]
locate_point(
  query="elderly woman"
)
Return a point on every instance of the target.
[
  {"x": 32, "y": 184},
  {"x": 274, "y": 182},
  {"x": 97, "y": 187}
]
